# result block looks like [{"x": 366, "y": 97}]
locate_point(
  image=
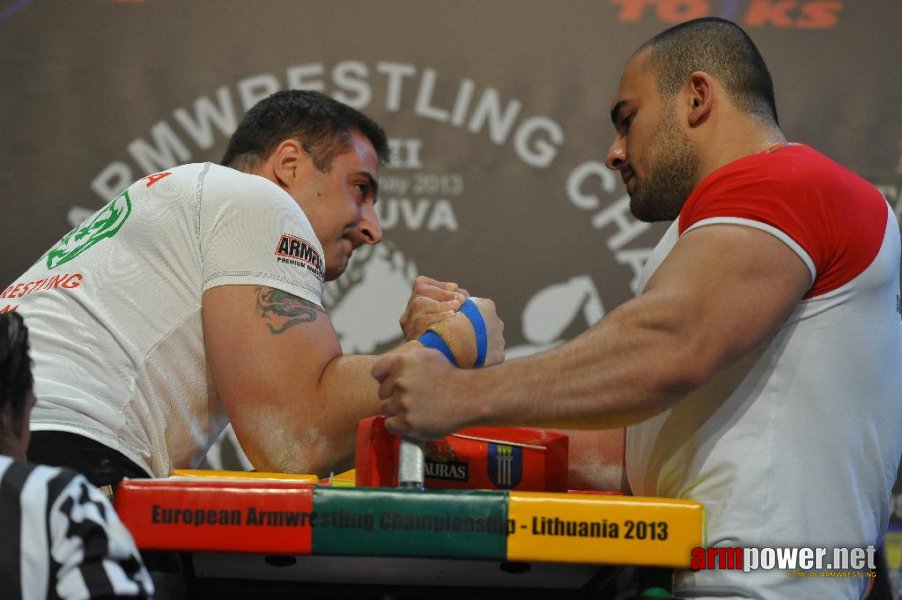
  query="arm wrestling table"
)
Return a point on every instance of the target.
[{"x": 252, "y": 535}]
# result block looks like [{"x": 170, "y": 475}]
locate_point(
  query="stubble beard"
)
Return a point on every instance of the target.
[{"x": 662, "y": 192}]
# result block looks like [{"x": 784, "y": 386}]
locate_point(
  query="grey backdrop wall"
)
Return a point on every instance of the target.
[{"x": 497, "y": 110}]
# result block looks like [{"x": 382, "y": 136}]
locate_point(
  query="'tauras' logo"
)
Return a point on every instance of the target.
[{"x": 442, "y": 462}]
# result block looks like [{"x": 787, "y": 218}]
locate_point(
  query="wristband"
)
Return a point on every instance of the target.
[
  {"x": 471, "y": 311},
  {"x": 431, "y": 339}
]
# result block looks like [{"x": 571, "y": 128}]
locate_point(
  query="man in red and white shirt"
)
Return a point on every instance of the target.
[{"x": 758, "y": 369}]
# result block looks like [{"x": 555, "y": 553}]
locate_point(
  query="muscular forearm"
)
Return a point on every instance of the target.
[
  {"x": 316, "y": 431},
  {"x": 618, "y": 373},
  {"x": 347, "y": 394},
  {"x": 722, "y": 292},
  {"x": 631, "y": 365}
]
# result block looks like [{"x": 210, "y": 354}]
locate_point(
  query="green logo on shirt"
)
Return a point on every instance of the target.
[{"x": 104, "y": 224}]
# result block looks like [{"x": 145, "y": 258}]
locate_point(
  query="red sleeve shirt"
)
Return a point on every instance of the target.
[{"x": 835, "y": 216}]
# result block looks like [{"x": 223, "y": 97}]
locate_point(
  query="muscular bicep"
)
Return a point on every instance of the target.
[
  {"x": 730, "y": 288},
  {"x": 267, "y": 351}
]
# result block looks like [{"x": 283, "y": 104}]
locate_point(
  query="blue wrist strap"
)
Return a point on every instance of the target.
[
  {"x": 431, "y": 339},
  {"x": 471, "y": 311}
]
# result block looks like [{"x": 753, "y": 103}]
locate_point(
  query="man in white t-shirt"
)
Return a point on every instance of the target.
[{"x": 194, "y": 298}]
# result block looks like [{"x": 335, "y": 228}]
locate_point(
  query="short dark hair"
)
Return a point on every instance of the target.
[
  {"x": 322, "y": 125},
  {"x": 15, "y": 369},
  {"x": 718, "y": 47}
]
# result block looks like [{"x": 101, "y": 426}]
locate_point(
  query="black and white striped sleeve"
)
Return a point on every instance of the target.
[{"x": 65, "y": 539}]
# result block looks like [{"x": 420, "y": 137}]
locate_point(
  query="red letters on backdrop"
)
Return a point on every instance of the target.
[{"x": 799, "y": 14}]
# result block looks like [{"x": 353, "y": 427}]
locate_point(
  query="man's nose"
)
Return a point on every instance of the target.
[
  {"x": 616, "y": 157},
  {"x": 369, "y": 229}
]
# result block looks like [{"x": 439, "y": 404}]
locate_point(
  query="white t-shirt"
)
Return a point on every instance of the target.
[
  {"x": 798, "y": 444},
  {"x": 114, "y": 309}
]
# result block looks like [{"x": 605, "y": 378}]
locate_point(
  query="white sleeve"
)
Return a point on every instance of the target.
[
  {"x": 96, "y": 554},
  {"x": 253, "y": 233}
]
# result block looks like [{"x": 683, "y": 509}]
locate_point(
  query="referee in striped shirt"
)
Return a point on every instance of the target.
[{"x": 59, "y": 535}]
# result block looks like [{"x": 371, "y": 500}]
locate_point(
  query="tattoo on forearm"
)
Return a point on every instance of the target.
[{"x": 283, "y": 310}]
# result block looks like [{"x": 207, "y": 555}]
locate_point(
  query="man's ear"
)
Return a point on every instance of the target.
[
  {"x": 701, "y": 97},
  {"x": 286, "y": 161}
]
